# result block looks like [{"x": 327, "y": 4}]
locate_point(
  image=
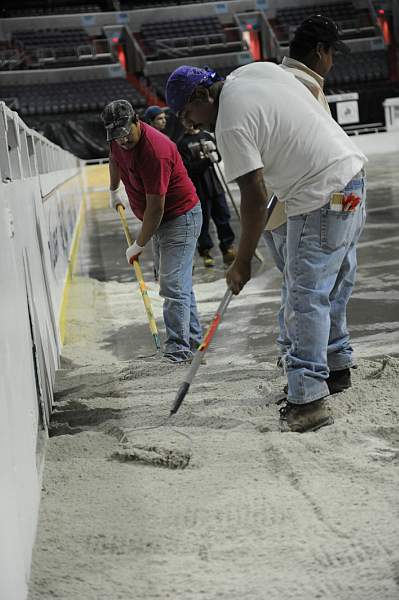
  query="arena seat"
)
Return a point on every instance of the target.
[
  {"x": 137, "y": 4},
  {"x": 71, "y": 97},
  {"x": 55, "y": 48},
  {"x": 188, "y": 37},
  {"x": 50, "y": 38},
  {"x": 40, "y": 9},
  {"x": 359, "y": 67},
  {"x": 354, "y": 22}
]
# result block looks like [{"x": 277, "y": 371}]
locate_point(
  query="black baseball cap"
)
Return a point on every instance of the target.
[
  {"x": 118, "y": 117},
  {"x": 318, "y": 28}
]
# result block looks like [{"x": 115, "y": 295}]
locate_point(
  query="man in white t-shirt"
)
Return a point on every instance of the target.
[{"x": 273, "y": 135}]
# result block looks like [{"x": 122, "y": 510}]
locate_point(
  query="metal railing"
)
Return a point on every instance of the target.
[
  {"x": 185, "y": 45},
  {"x": 20, "y": 58},
  {"x": 25, "y": 153}
]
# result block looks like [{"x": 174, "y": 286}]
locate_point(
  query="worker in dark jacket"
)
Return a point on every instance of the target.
[
  {"x": 156, "y": 117},
  {"x": 199, "y": 154}
]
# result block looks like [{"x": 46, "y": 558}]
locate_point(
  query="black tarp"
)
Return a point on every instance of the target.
[{"x": 84, "y": 138}]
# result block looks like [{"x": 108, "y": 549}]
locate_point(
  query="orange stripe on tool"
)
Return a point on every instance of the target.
[{"x": 209, "y": 334}]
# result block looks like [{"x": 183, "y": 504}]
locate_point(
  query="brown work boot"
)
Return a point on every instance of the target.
[
  {"x": 229, "y": 255},
  {"x": 307, "y": 417},
  {"x": 339, "y": 381}
]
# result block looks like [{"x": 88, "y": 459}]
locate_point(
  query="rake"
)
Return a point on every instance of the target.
[{"x": 141, "y": 282}]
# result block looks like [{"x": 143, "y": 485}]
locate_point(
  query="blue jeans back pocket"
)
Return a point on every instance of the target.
[{"x": 336, "y": 228}]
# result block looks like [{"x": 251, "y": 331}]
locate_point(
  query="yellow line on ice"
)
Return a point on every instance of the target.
[{"x": 71, "y": 266}]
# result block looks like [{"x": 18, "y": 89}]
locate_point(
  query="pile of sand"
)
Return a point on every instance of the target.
[{"x": 255, "y": 514}]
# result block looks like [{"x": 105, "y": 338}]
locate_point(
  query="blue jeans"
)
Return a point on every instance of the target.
[
  {"x": 174, "y": 245},
  {"x": 276, "y": 241},
  {"x": 320, "y": 274}
]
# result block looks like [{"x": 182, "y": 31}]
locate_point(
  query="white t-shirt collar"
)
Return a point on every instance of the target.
[{"x": 296, "y": 64}]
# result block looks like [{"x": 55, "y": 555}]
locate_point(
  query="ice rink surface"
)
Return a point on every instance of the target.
[{"x": 257, "y": 514}]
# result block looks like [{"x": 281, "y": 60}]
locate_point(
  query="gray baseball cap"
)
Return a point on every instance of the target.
[{"x": 118, "y": 117}]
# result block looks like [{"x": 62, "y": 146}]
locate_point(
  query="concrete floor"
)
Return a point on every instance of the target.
[{"x": 373, "y": 314}]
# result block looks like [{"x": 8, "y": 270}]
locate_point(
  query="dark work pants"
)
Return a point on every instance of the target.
[{"x": 217, "y": 209}]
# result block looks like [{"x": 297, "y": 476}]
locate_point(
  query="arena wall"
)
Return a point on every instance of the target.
[{"x": 41, "y": 195}]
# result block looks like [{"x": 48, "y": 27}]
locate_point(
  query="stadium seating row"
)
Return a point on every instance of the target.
[
  {"x": 55, "y": 48},
  {"x": 137, "y": 4},
  {"x": 50, "y": 38},
  {"x": 355, "y": 22},
  {"x": 69, "y": 97},
  {"x": 37, "y": 9},
  {"x": 359, "y": 67},
  {"x": 188, "y": 48},
  {"x": 55, "y": 59},
  {"x": 188, "y": 37},
  {"x": 176, "y": 27}
]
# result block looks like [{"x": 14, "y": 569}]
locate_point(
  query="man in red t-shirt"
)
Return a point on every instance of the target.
[{"x": 162, "y": 196}]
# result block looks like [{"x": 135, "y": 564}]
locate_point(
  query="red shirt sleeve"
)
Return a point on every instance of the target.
[{"x": 156, "y": 177}]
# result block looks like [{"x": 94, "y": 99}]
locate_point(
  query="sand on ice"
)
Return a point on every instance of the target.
[{"x": 257, "y": 514}]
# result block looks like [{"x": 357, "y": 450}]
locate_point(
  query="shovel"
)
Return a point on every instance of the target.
[
  {"x": 141, "y": 282},
  {"x": 185, "y": 385},
  {"x": 199, "y": 355}
]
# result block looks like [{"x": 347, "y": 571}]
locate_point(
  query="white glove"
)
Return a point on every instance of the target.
[
  {"x": 115, "y": 198},
  {"x": 133, "y": 252},
  {"x": 213, "y": 157},
  {"x": 208, "y": 146}
]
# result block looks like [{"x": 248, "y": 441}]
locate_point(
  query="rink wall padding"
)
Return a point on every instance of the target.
[{"x": 41, "y": 194}]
